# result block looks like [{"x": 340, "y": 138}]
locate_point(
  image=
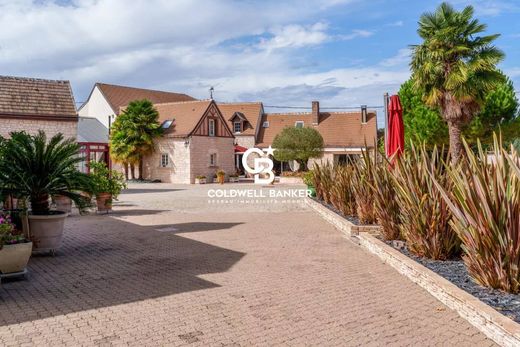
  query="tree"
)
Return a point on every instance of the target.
[
  {"x": 424, "y": 124},
  {"x": 121, "y": 151},
  {"x": 455, "y": 67},
  {"x": 135, "y": 131},
  {"x": 35, "y": 169},
  {"x": 299, "y": 144}
]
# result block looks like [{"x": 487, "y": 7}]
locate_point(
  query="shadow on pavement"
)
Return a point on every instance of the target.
[
  {"x": 150, "y": 190},
  {"x": 105, "y": 262}
]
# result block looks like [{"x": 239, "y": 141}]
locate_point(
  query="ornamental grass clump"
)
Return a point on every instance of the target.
[
  {"x": 387, "y": 209},
  {"x": 362, "y": 180},
  {"x": 342, "y": 195},
  {"x": 485, "y": 201},
  {"x": 323, "y": 181},
  {"x": 425, "y": 215}
]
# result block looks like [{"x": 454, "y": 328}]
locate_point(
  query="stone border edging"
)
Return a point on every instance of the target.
[
  {"x": 345, "y": 226},
  {"x": 501, "y": 329}
]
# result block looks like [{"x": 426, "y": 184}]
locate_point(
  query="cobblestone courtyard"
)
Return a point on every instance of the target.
[{"x": 168, "y": 268}]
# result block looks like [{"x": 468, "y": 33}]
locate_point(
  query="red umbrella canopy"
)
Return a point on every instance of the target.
[{"x": 395, "y": 134}]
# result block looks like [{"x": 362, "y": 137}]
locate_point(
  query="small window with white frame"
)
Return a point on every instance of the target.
[
  {"x": 237, "y": 126},
  {"x": 299, "y": 124},
  {"x": 165, "y": 160},
  {"x": 266, "y": 124},
  {"x": 211, "y": 127},
  {"x": 213, "y": 159}
]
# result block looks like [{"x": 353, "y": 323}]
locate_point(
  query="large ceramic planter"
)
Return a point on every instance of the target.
[
  {"x": 63, "y": 203},
  {"x": 47, "y": 231},
  {"x": 104, "y": 202},
  {"x": 221, "y": 179},
  {"x": 14, "y": 258}
]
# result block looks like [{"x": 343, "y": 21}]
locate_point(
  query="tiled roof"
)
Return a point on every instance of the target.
[
  {"x": 251, "y": 110},
  {"x": 120, "y": 96},
  {"x": 36, "y": 97},
  {"x": 186, "y": 114},
  {"x": 339, "y": 129}
]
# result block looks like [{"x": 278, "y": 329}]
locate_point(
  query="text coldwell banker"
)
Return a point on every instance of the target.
[{"x": 253, "y": 193}]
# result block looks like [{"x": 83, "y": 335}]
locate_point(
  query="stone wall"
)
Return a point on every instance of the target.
[
  {"x": 178, "y": 169},
  {"x": 201, "y": 147},
  {"x": 51, "y": 127}
]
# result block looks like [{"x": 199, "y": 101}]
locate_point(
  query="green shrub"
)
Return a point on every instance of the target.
[
  {"x": 425, "y": 215},
  {"x": 105, "y": 180},
  {"x": 308, "y": 178},
  {"x": 485, "y": 201}
]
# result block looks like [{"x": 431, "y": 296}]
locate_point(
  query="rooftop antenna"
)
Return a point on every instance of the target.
[{"x": 211, "y": 90}]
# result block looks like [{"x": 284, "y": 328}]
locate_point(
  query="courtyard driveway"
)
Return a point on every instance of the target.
[{"x": 170, "y": 268}]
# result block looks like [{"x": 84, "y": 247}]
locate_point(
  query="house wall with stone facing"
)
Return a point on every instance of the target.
[
  {"x": 178, "y": 170},
  {"x": 201, "y": 147},
  {"x": 51, "y": 127}
]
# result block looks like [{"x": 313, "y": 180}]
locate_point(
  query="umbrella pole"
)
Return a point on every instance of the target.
[{"x": 385, "y": 103}]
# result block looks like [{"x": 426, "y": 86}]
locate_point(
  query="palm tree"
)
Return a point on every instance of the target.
[
  {"x": 32, "y": 167},
  {"x": 455, "y": 66},
  {"x": 121, "y": 151},
  {"x": 135, "y": 133}
]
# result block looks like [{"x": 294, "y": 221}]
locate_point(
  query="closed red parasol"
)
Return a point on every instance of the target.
[{"x": 395, "y": 134}]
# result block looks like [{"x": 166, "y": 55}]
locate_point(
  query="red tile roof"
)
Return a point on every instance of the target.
[
  {"x": 251, "y": 110},
  {"x": 33, "y": 97},
  {"x": 339, "y": 129},
  {"x": 186, "y": 114},
  {"x": 120, "y": 96}
]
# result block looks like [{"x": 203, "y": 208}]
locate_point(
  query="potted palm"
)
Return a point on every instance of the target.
[
  {"x": 35, "y": 169},
  {"x": 15, "y": 249},
  {"x": 106, "y": 184}
]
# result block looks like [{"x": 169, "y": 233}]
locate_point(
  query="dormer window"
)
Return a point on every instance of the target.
[
  {"x": 299, "y": 124},
  {"x": 237, "y": 127}
]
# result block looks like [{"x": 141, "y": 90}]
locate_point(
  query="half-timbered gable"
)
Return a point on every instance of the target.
[{"x": 212, "y": 124}]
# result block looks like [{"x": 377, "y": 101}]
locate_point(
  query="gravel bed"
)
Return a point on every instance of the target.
[
  {"x": 351, "y": 219},
  {"x": 455, "y": 272}
]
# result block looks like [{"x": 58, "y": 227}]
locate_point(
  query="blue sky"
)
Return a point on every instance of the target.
[{"x": 341, "y": 52}]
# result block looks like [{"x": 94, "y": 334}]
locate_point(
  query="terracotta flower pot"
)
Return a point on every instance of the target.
[
  {"x": 221, "y": 179},
  {"x": 104, "y": 202},
  {"x": 47, "y": 231},
  {"x": 63, "y": 203},
  {"x": 14, "y": 258}
]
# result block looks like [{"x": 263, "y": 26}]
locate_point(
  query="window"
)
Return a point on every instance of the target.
[
  {"x": 165, "y": 160},
  {"x": 266, "y": 124},
  {"x": 299, "y": 124},
  {"x": 237, "y": 126},
  {"x": 213, "y": 159},
  {"x": 211, "y": 127}
]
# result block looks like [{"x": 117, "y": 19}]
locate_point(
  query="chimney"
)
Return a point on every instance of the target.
[{"x": 315, "y": 112}]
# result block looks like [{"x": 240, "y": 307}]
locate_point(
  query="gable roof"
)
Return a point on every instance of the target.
[
  {"x": 250, "y": 110},
  {"x": 36, "y": 98},
  {"x": 120, "y": 96},
  {"x": 187, "y": 115},
  {"x": 338, "y": 129}
]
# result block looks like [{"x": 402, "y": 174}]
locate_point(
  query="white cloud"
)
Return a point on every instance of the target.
[
  {"x": 188, "y": 46},
  {"x": 355, "y": 34},
  {"x": 490, "y": 8},
  {"x": 401, "y": 58},
  {"x": 296, "y": 36}
]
